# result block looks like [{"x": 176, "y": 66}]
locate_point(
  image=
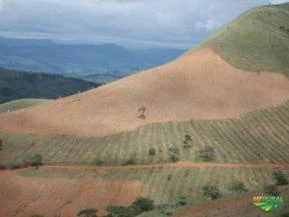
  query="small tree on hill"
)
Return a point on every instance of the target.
[
  {"x": 207, "y": 154},
  {"x": 237, "y": 186},
  {"x": 211, "y": 192},
  {"x": 174, "y": 154},
  {"x": 142, "y": 110},
  {"x": 152, "y": 152},
  {"x": 188, "y": 140},
  {"x": 91, "y": 212},
  {"x": 141, "y": 205},
  {"x": 119, "y": 211},
  {"x": 36, "y": 160},
  {"x": 280, "y": 178}
]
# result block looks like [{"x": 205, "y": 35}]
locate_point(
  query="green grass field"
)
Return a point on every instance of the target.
[
  {"x": 257, "y": 137},
  {"x": 20, "y": 104},
  {"x": 256, "y": 41}
]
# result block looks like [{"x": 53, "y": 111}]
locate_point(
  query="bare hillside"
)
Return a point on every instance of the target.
[{"x": 197, "y": 86}]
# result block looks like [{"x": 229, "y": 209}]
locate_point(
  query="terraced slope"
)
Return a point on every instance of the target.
[
  {"x": 256, "y": 41},
  {"x": 256, "y": 137},
  {"x": 67, "y": 191}
]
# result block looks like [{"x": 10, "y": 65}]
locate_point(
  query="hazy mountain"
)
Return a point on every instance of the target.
[{"x": 80, "y": 60}]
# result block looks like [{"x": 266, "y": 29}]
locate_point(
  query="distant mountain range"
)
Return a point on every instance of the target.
[{"x": 79, "y": 60}]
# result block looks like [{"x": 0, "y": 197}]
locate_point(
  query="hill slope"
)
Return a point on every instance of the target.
[
  {"x": 197, "y": 86},
  {"x": 18, "y": 85},
  {"x": 256, "y": 41}
]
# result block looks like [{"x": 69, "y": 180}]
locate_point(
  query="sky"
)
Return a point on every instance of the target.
[{"x": 131, "y": 23}]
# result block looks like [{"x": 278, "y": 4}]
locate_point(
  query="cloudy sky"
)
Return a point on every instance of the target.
[{"x": 133, "y": 23}]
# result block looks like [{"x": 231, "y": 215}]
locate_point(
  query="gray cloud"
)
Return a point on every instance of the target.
[
  {"x": 278, "y": 1},
  {"x": 177, "y": 23}
]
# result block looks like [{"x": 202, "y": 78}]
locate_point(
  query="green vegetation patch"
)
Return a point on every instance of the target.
[
  {"x": 20, "y": 104},
  {"x": 256, "y": 41}
]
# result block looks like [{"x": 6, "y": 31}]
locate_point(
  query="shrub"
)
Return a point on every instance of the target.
[
  {"x": 207, "y": 154},
  {"x": 132, "y": 160},
  {"x": 36, "y": 160},
  {"x": 91, "y": 212},
  {"x": 188, "y": 138},
  {"x": 211, "y": 192},
  {"x": 182, "y": 201},
  {"x": 14, "y": 166},
  {"x": 141, "y": 205},
  {"x": 36, "y": 215},
  {"x": 1, "y": 145},
  {"x": 280, "y": 178},
  {"x": 120, "y": 211},
  {"x": 108, "y": 215},
  {"x": 141, "y": 112},
  {"x": 187, "y": 146},
  {"x": 174, "y": 158},
  {"x": 169, "y": 177},
  {"x": 99, "y": 162},
  {"x": 3, "y": 167},
  {"x": 272, "y": 190},
  {"x": 238, "y": 186},
  {"x": 174, "y": 151},
  {"x": 152, "y": 152},
  {"x": 174, "y": 154}
]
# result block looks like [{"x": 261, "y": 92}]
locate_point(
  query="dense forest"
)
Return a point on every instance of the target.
[{"x": 17, "y": 84}]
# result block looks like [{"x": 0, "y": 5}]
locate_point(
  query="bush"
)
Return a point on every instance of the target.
[
  {"x": 99, "y": 162},
  {"x": 132, "y": 160},
  {"x": 169, "y": 177},
  {"x": 120, "y": 211},
  {"x": 174, "y": 158},
  {"x": 152, "y": 152},
  {"x": 188, "y": 138},
  {"x": 174, "y": 154},
  {"x": 1, "y": 145},
  {"x": 280, "y": 178},
  {"x": 207, "y": 154},
  {"x": 272, "y": 190},
  {"x": 141, "y": 205},
  {"x": 238, "y": 186},
  {"x": 36, "y": 160},
  {"x": 174, "y": 151},
  {"x": 211, "y": 192},
  {"x": 3, "y": 167},
  {"x": 36, "y": 215},
  {"x": 14, "y": 166},
  {"x": 187, "y": 146},
  {"x": 182, "y": 201},
  {"x": 91, "y": 212}
]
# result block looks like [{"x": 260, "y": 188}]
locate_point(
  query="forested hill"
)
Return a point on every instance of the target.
[{"x": 18, "y": 85}]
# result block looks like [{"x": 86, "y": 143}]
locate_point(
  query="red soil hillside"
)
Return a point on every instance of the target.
[
  {"x": 197, "y": 86},
  {"x": 25, "y": 196}
]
